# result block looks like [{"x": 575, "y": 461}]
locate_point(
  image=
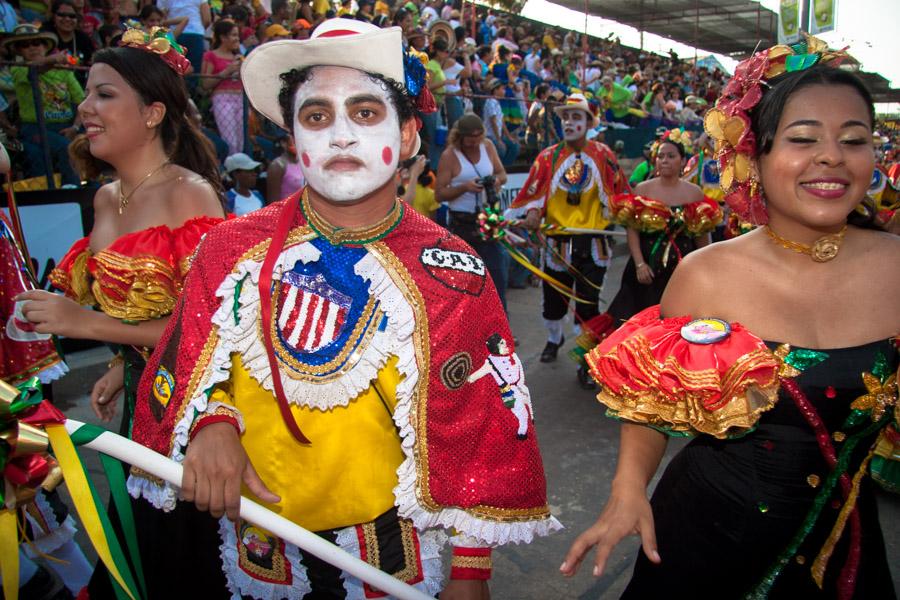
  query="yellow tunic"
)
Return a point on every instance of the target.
[{"x": 324, "y": 485}]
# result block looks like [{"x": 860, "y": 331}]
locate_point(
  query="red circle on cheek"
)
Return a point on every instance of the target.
[
  {"x": 387, "y": 155},
  {"x": 305, "y": 158}
]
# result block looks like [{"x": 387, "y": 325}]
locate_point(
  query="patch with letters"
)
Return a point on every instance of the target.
[{"x": 459, "y": 270}]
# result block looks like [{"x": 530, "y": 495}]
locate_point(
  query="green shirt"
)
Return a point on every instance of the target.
[
  {"x": 60, "y": 93},
  {"x": 437, "y": 76}
]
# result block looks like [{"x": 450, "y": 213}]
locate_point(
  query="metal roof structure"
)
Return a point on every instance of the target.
[{"x": 731, "y": 27}]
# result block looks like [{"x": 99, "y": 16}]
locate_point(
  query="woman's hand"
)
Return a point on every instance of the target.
[
  {"x": 644, "y": 273},
  {"x": 473, "y": 185},
  {"x": 627, "y": 512},
  {"x": 106, "y": 392},
  {"x": 55, "y": 314}
]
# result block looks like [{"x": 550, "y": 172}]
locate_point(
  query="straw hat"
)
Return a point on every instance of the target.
[
  {"x": 27, "y": 31},
  {"x": 579, "y": 102},
  {"x": 334, "y": 43}
]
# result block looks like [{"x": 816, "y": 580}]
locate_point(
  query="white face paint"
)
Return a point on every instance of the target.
[
  {"x": 575, "y": 124},
  {"x": 347, "y": 133}
]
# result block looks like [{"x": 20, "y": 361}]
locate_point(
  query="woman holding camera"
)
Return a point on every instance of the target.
[{"x": 469, "y": 178}]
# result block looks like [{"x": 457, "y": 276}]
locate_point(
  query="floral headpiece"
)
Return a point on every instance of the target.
[
  {"x": 161, "y": 42},
  {"x": 729, "y": 122},
  {"x": 679, "y": 136}
]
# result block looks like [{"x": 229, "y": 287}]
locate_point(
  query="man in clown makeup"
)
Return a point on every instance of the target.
[
  {"x": 319, "y": 360},
  {"x": 566, "y": 192}
]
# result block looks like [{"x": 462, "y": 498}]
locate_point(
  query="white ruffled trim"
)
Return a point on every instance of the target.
[
  {"x": 162, "y": 497},
  {"x": 599, "y": 260},
  {"x": 430, "y": 545},
  {"x": 53, "y": 372},
  {"x": 46, "y": 541},
  {"x": 240, "y": 583}
]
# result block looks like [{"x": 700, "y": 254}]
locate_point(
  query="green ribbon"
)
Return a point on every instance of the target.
[{"x": 115, "y": 475}]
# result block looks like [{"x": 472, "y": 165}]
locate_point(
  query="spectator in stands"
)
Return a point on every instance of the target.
[
  {"x": 417, "y": 39},
  {"x": 415, "y": 179},
  {"x": 276, "y": 31},
  {"x": 199, "y": 16},
  {"x": 224, "y": 61},
  {"x": 437, "y": 81},
  {"x": 494, "y": 125},
  {"x": 690, "y": 114},
  {"x": 152, "y": 16},
  {"x": 366, "y": 11},
  {"x": 242, "y": 198},
  {"x": 70, "y": 39},
  {"x": 456, "y": 68},
  {"x": 8, "y": 17},
  {"x": 60, "y": 95},
  {"x": 285, "y": 175}
]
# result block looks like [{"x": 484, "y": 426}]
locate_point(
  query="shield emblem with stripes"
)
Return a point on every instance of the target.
[{"x": 311, "y": 313}]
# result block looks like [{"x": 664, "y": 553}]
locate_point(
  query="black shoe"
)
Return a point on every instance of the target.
[
  {"x": 521, "y": 436},
  {"x": 551, "y": 350},
  {"x": 585, "y": 380}
]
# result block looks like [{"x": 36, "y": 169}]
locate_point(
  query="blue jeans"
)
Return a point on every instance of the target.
[
  {"x": 511, "y": 153},
  {"x": 193, "y": 44},
  {"x": 455, "y": 110},
  {"x": 59, "y": 152},
  {"x": 496, "y": 259},
  {"x": 429, "y": 137}
]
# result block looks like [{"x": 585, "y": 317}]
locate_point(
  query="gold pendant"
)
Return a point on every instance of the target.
[{"x": 826, "y": 247}]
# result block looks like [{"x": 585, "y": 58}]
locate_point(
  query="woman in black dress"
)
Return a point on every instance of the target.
[{"x": 773, "y": 497}]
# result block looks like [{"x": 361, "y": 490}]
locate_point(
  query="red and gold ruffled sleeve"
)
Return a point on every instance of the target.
[
  {"x": 685, "y": 376},
  {"x": 185, "y": 240},
  {"x": 71, "y": 275},
  {"x": 639, "y": 212},
  {"x": 702, "y": 217}
]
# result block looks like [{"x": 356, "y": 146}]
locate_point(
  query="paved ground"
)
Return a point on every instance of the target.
[{"x": 579, "y": 448}]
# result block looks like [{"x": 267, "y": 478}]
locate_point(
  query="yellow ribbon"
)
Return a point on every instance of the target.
[
  {"x": 9, "y": 554},
  {"x": 555, "y": 283},
  {"x": 82, "y": 498}
]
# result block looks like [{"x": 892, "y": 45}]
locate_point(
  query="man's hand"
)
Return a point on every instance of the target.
[
  {"x": 532, "y": 220},
  {"x": 466, "y": 589},
  {"x": 214, "y": 468}
]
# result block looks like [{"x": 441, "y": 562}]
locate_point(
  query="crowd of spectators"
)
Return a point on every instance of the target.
[{"x": 506, "y": 69}]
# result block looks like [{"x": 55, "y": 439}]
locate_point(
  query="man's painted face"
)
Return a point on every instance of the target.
[
  {"x": 575, "y": 124},
  {"x": 347, "y": 133}
]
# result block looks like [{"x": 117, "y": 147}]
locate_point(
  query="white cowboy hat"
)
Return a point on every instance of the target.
[
  {"x": 334, "y": 43},
  {"x": 580, "y": 102}
]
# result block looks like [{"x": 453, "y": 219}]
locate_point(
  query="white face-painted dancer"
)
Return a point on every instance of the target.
[
  {"x": 347, "y": 133},
  {"x": 575, "y": 123}
]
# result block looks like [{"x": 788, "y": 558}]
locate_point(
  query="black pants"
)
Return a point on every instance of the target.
[{"x": 586, "y": 280}]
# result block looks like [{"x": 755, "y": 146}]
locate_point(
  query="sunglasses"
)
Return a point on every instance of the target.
[
  {"x": 30, "y": 43},
  {"x": 70, "y": 15}
]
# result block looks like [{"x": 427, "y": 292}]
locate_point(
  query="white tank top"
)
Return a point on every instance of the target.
[{"x": 470, "y": 202}]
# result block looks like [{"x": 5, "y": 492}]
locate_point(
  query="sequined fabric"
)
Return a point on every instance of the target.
[{"x": 464, "y": 465}]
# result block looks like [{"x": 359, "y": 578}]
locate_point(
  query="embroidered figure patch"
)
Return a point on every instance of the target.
[
  {"x": 457, "y": 269},
  {"x": 261, "y": 555},
  {"x": 506, "y": 369}
]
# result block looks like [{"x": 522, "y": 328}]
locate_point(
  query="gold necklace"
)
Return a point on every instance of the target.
[
  {"x": 124, "y": 198},
  {"x": 822, "y": 250}
]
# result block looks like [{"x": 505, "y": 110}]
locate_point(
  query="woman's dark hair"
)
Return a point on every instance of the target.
[
  {"x": 294, "y": 78},
  {"x": 399, "y": 16},
  {"x": 437, "y": 45},
  {"x": 154, "y": 81},
  {"x": 679, "y": 147},
  {"x": 765, "y": 116},
  {"x": 57, "y": 4},
  {"x": 149, "y": 11},
  {"x": 220, "y": 30}
]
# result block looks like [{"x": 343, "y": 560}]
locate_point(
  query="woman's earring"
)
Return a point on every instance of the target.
[{"x": 149, "y": 124}]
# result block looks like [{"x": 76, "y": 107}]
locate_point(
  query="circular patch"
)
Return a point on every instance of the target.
[
  {"x": 163, "y": 386},
  {"x": 706, "y": 331},
  {"x": 455, "y": 371}
]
